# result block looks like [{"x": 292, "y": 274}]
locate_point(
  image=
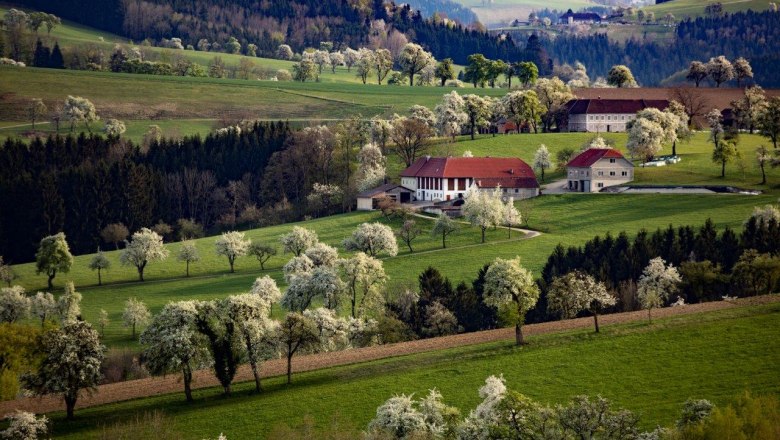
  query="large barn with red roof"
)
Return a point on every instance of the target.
[
  {"x": 597, "y": 168},
  {"x": 448, "y": 178}
]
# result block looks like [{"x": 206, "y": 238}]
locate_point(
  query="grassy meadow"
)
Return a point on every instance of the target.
[
  {"x": 652, "y": 370},
  {"x": 695, "y": 8}
]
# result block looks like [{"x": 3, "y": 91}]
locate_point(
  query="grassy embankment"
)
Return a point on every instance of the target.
[{"x": 648, "y": 369}]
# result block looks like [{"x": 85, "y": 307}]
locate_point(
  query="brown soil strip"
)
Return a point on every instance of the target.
[{"x": 155, "y": 386}]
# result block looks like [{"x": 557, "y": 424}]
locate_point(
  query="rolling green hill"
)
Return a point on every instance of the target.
[
  {"x": 695, "y": 8},
  {"x": 648, "y": 369}
]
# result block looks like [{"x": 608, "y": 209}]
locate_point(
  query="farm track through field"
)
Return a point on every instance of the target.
[{"x": 154, "y": 386}]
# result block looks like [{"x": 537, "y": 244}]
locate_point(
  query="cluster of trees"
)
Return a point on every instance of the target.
[
  {"x": 507, "y": 414},
  {"x": 79, "y": 185},
  {"x": 20, "y": 33},
  {"x": 749, "y": 35}
]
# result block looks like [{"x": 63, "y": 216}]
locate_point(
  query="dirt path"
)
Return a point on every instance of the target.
[{"x": 154, "y": 386}]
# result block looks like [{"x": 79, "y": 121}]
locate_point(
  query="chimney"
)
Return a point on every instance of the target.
[
  {"x": 511, "y": 171},
  {"x": 427, "y": 158}
]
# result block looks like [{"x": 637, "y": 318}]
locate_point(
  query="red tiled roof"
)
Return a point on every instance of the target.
[
  {"x": 470, "y": 167},
  {"x": 628, "y": 106},
  {"x": 592, "y": 155},
  {"x": 508, "y": 182}
]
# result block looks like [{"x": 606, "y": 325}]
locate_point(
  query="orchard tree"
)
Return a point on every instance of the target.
[
  {"x": 69, "y": 304},
  {"x": 553, "y": 95},
  {"x": 284, "y": 52},
  {"x": 7, "y": 274},
  {"x": 335, "y": 59},
  {"x": 53, "y": 256},
  {"x": 408, "y": 232},
  {"x": 413, "y": 59},
  {"x": 232, "y": 245},
  {"x": 483, "y": 209},
  {"x": 72, "y": 358},
  {"x": 223, "y": 342},
  {"x": 697, "y": 72},
  {"x": 362, "y": 274},
  {"x": 477, "y": 111},
  {"x": 410, "y": 136},
  {"x": 542, "y": 160},
  {"x": 657, "y": 283},
  {"x": 450, "y": 116},
  {"x": 742, "y": 70},
  {"x": 298, "y": 240},
  {"x": 322, "y": 255},
  {"x": 37, "y": 110},
  {"x": 172, "y": 343},
  {"x": 43, "y": 306},
  {"x": 508, "y": 284},
  {"x": 103, "y": 322},
  {"x": 296, "y": 333},
  {"x": 763, "y": 157},
  {"x": 79, "y": 110},
  {"x": 577, "y": 291},
  {"x": 266, "y": 288},
  {"x": 23, "y": 425},
  {"x": 382, "y": 64},
  {"x": 645, "y": 138},
  {"x": 249, "y": 313},
  {"x": 715, "y": 121},
  {"x": 99, "y": 262},
  {"x": 620, "y": 76},
  {"x": 263, "y": 252},
  {"x": 304, "y": 70},
  {"x": 445, "y": 71},
  {"x": 683, "y": 127},
  {"x": 364, "y": 64},
  {"x": 351, "y": 57},
  {"x": 510, "y": 216},
  {"x": 147, "y": 246},
  {"x": 769, "y": 120},
  {"x": 720, "y": 70},
  {"x": 749, "y": 107},
  {"x": 373, "y": 239},
  {"x": 136, "y": 314},
  {"x": 371, "y": 167},
  {"x": 188, "y": 253},
  {"x": 114, "y": 128},
  {"x": 442, "y": 227},
  {"x": 476, "y": 71},
  {"x": 527, "y": 73},
  {"x": 725, "y": 152},
  {"x": 14, "y": 305}
]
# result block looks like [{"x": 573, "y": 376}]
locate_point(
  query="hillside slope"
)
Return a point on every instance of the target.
[{"x": 682, "y": 9}]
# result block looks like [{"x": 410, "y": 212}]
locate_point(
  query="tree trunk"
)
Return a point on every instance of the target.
[
  {"x": 443, "y": 240},
  {"x": 509, "y": 230},
  {"x": 723, "y": 169},
  {"x": 674, "y": 148},
  {"x": 483, "y": 234},
  {"x": 52, "y": 274},
  {"x": 256, "y": 374},
  {"x": 519, "y": 334},
  {"x": 230, "y": 260},
  {"x": 596, "y": 321},
  {"x": 141, "y": 271},
  {"x": 187, "y": 375},
  {"x": 289, "y": 369},
  {"x": 133, "y": 329},
  {"x": 100, "y": 281},
  {"x": 188, "y": 269},
  {"x": 227, "y": 389},
  {"x": 411, "y": 79},
  {"x": 409, "y": 244},
  {"x": 649, "y": 316},
  {"x": 354, "y": 300},
  {"x": 763, "y": 174},
  {"x": 70, "y": 405}
]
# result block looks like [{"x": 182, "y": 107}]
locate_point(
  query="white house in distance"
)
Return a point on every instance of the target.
[
  {"x": 597, "y": 168},
  {"x": 606, "y": 115},
  {"x": 448, "y": 178}
]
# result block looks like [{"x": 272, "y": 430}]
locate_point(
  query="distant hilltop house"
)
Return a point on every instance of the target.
[
  {"x": 449, "y": 178},
  {"x": 606, "y": 115},
  {"x": 572, "y": 18},
  {"x": 597, "y": 168}
]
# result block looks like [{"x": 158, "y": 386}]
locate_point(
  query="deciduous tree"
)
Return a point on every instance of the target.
[
  {"x": 657, "y": 283},
  {"x": 43, "y": 306},
  {"x": 410, "y": 136},
  {"x": 37, "y": 110},
  {"x": 147, "y": 246},
  {"x": 14, "y": 305},
  {"x": 362, "y": 274},
  {"x": 296, "y": 333},
  {"x": 298, "y": 240},
  {"x": 99, "y": 262},
  {"x": 575, "y": 292},
  {"x": 450, "y": 115},
  {"x": 769, "y": 120},
  {"x": 53, "y": 256},
  {"x": 742, "y": 70},
  {"x": 232, "y": 245},
  {"x": 373, "y": 239},
  {"x": 483, "y": 209},
  {"x": 135, "y": 314},
  {"x": 477, "y": 110},
  {"x": 413, "y": 59},
  {"x": 620, "y": 76},
  {"x": 23, "y": 425},
  {"x": 188, "y": 253},
  {"x": 443, "y": 227},
  {"x": 408, "y": 232},
  {"x": 445, "y": 71},
  {"x": 263, "y": 252},
  {"x": 720, "y": 70},
  {"x": 697, "y": 72},
  {"x": 508, "y": 284},
  {"x": 542, "y": 159}
]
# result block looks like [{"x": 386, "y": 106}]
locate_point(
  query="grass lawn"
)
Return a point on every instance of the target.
[
  {"x": 695, "y": 8},
  {"x": 648, "y": 369}
]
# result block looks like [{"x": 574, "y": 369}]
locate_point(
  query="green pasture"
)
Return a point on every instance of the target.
[
  {"x": 501, "y": 12},
  {"x": 648, "y": 369},
  {"x": 695, "y": 8}
]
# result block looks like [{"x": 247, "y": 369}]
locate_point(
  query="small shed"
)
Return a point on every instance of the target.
[{"x": 368, "y": 200}]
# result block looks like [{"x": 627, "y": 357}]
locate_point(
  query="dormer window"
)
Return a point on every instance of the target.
[{"x": 612, "y": 161}]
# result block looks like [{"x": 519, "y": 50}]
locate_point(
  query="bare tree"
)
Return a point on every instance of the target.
[
  {"x": 694, "y": 102},
  {"x": 410, "y": 136}
]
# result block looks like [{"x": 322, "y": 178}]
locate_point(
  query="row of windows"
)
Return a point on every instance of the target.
[
  {"x": 612, "y": 173},
  {"x": 608, "y": 118}
]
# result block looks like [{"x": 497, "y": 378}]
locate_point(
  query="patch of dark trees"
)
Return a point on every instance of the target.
[
  {"x": 80, "y": 184},
  {"x": 752, "y": 35},
  {"x": 444, "y": 9}
]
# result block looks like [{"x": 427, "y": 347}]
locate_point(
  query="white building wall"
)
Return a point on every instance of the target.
[
  {"x": 604, "y": 173},
  {"x": 600, "y": 123}
]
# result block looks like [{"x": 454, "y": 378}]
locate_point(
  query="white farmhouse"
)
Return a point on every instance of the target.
[
  {"x": 597, "y": 168},
  {"x": 448, "y": 178},
  {"x": 606, "y": 115}
]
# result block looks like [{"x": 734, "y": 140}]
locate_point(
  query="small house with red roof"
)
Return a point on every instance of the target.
[
  {"x": 597, "y": 168},
  {"x": 606, "y": 115},
  {"x": 449, "y": 178}
]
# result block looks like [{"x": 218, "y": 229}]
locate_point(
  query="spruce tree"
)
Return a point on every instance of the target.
[{"x": 56, "y": 61}]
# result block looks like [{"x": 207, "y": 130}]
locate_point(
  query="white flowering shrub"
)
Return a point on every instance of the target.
[
  {"x": 25, "y": 426},
  {"x": 322, "y": 255},
  {"x": 14, "y": 305},
  {"x": 298, "y": 240},
  {"x": 372, "y": 239},
  {"x": 657, "y": 283}
]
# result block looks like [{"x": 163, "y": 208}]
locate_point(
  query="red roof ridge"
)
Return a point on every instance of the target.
[{"x": 592, "y": 155}]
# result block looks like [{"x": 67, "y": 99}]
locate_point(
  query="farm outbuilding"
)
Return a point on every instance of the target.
[{"x": 368, "y": 200}]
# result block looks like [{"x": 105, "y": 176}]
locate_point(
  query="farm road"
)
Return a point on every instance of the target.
[{"x": 154, "y": 386}]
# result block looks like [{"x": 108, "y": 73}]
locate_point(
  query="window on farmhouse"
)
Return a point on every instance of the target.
[
  {"x": 611, "y": 173},
  {"x": 625, "y": 173},
  {"x": 612, "y": 161}
]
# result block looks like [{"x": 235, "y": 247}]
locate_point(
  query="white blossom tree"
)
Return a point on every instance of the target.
[
  {"x": 23, "y": 425},
  {"x": 576, "y": 291},
  {"x": 232, "y": 245},
  {"x": 265, "y": 287},
  {"x": 383, "y": 64},
  {"x": 373, "y": 239},
  {"x": 657, "y": 283},
  {"x": 645, "y": 138},
  {"x": 508, "y": 284},
  {"x": 443, "y": 227},
  {"x": 172, "y": 343},
  {"x": 298, "y": 240},
  {"x": 332, "y": 330},
  {"x": 146, "y": 246},
  {"x": 322, "y": 255},
  {"x": 284, "y": 52},
  {"x": 43, "y": 306},
  {"x": 250, "y": 314},
  {"x": 542, "y": 159},
  {"x": 720, "y": 70},
  {"x": 53, "y": 256},
  {"x": 450, "y": 115},
  {"x": 477, "y": 110},
  {"x": 103, "y": 321},
  {"x": 297, "y": 266},
  {"x": 510, "y": 216},
  {"x": 14, "y": 305},
  {"x": 78, "y": 110},
  {"x": 294, "y": 334},
  {"x": 335, "y": 59},
  {"x": 439, "y": 320},
  {"x": 362, "y": 274},
  {"x": 483, "y": 209},
  {"x": 478, "y": 422},
  {"x": 413, "y": 59},
  {"x": 135, "y": 314},
  {"x": 72, "y": 358},
  {"x": 351, "y": 57},
  {"x": 114, "y": 128},
  {"x": 397, "y": 418},
  {"x": 188, "y": 253},
  {"x": 371, "y": 167},
  {"x": 69, "y": 304},
  {"x": 99, "y": 262}
]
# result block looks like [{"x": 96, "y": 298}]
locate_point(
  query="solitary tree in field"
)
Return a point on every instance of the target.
[
  {"x": 71, "y": 363},
  {"x": 443, "y": 227},
  {"x": 188, "y": 253},
  {"x": 373, "y": 239},
  {"x": 135, "y": 314},
  {"x": 575, "y": 292},
  {"x": 725, "y": 152},
  {"x": 769, "y": 120},
  {"x": 298, "y": 240},
  {"x": 508, "y": 284},
  {"x": 645, "y": 138},
  {"x": 296, "y": 333},
  {"x": 99, "y": 262},
  {"x": 620, "y": 76},
  {"x": 262, "y": 252},
  {"x": 413, "y": 59},
  {"x": 232, "y": 245},
  {"x": 408, "y": 232},
  {"x": 542, "y": 159},
  {"x": 114, "y": 233},
  {"x": 362, "y": 274},
  {"x": 53, "y": 256},
  {"x": 146, "y": 246},
  {"x": 103, "y": 322},
  {"x": 37, "y": 110},
  {"x": 483, "y": 209},
  {"x": 172, "y": 343},
  {"x": 657, "y": 283}
]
